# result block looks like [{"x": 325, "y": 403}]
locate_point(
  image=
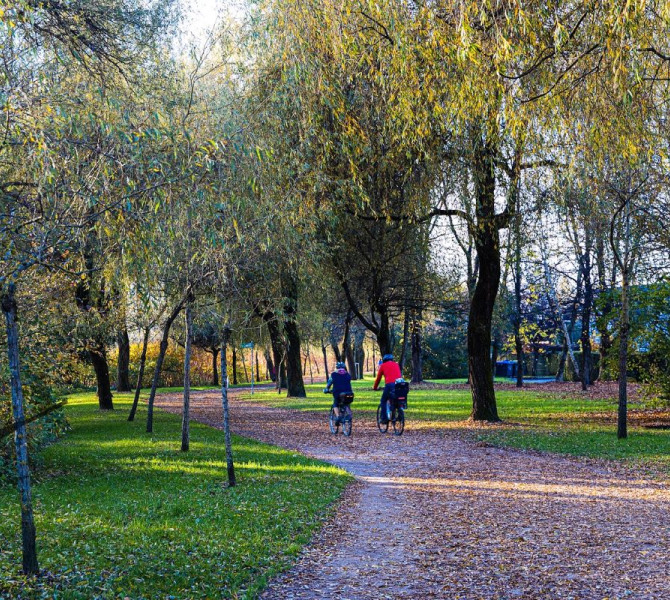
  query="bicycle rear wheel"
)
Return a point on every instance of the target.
[
  {"x": 398, "y": 421},
  {"x": 346, "y": 426},
  {"x": 332, "y": 422},
  {"x": 383, "y": 427}
]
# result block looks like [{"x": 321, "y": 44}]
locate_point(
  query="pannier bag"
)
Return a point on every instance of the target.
[
  {"x": 401, "y": 392},
  {"x": 346, "y": 398}
]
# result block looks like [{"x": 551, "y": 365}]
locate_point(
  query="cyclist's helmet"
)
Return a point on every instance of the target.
[
  {"x": 340, "y": 365},
  {"x": 387, "y": 357}
]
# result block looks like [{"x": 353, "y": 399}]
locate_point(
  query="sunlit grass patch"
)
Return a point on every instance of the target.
[{"x": 123, "y": 513}]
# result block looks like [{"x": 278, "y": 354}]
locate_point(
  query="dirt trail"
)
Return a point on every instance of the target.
[{"x": 434, "y": 516}]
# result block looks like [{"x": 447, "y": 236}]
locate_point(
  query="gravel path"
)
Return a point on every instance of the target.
[{"x": 434, "y": 516}]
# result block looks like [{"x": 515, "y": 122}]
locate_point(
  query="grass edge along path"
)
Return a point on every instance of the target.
[
  {"x": 532, "y": 420},
  {"x": 125, "y": 514}
]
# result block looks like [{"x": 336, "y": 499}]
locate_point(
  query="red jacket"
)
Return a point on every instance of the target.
[{"x": 390, "y": 370}]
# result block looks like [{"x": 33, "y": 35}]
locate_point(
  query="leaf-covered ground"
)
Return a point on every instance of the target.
[
  {"x": 438, "y": 516},
  {"x": 124, "y": 514},
  {"x": 550, "y": 417}
]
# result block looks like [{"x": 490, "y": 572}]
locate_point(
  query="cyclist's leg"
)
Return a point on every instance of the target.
[
  {"x": 384, "y": 404},
  {"x": 336, "y": 407},
  {"x": 389, "y": 390}
]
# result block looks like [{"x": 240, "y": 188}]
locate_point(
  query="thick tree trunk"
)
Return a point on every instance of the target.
[
  {"x": 383, "y": 333},
  {"x": 98, "y": 357},
  {"x": 336, "y": 352},
  {"x": 295, "y": 384},
  {"x": 159, "y": 363},
  {"x": 140, "y": 375},
  {"x": 479, "y": 331},
  {"x": 226, "y": 417},
  {"x": 186, "y": 412},
  {"x": 258, "y": 373},
  {"x": 215, "y": 366},
  {"x": 234, "y": 366},
  {"x": 123, "y": 362},
  {"x": 28, "y": 535},
  {"x": 487, "y": 243},
  {"x": 417, "y": 357}
]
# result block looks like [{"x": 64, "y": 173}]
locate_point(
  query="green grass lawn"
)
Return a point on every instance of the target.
[
  {"x": 121, "y": 513},
  {"x": 532, "y": 420}
]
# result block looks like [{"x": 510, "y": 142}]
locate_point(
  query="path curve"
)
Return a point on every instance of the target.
[{"x": 434, "y": 516}]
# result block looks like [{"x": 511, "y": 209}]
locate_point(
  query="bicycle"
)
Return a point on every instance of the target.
[
  {"x": 346, "y": 417},
  {"x": 398, "y": 402}
]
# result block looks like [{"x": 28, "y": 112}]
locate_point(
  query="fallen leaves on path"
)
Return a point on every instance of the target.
[{"x": 434, "y": 516}]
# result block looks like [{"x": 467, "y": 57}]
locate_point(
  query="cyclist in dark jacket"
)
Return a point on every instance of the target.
[{"x": 340, "y": 381}]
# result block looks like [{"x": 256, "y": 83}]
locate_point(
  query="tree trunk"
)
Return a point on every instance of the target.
[
  {"x": 586, "y": 311},
  {"x": 270, "y": 366},
  {"x": 295, "y": 385},
  {"x": 258, "y": 373},
  {"x": 384, "y": 333},
  {"x": 405, "y": 340},
  {"x": 30, "y": 565},
  {"x": 518, "y": 341},
  {"x": 140, "y": 375},
  {"x": 495, "y": 348},
  {"x": 624, "y": 327},
  {"x": 226, "y": 417},
  {"x": 487, "y": 244},
  {"x": 159, "y": 363},
  {"x": 374, "y": 362},
  {"x": 98, "y": 357},
  {"x": 325, "y": 359},
  {"x": 336, "y": 351},
  {"x": 244, "y": 366},
  {"x": 215, "y": 366},
  {"x": 417, "y": 358},
  {"x": 123, "y": 362},
  {"x": 234, "y": 366},
  {"x": 278, "y": 349},
  {"x": 479, "y": 330},
  {"x": 359, "y": 351},
  {"x": 186, "y": 412},
  {"x": 606, "y": 306},
  {"x": 347, "y": 352}
]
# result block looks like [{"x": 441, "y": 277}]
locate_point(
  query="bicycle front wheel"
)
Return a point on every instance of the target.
[
  {"x": 383, "y": 427},
  {"x": 332, "y": 422},
  {"x": 398, "y": 421}
]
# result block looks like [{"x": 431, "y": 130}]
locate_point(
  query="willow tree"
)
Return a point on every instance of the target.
[
  {"x": 42, "y": 215},
  {"x": 474, "y": 77}
]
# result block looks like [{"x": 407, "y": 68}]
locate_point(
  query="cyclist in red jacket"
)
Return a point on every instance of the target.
[{"x": 391, "y": 371}]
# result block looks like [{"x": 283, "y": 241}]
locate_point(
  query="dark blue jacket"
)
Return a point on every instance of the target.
[{"x": 341, "y": 382}]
